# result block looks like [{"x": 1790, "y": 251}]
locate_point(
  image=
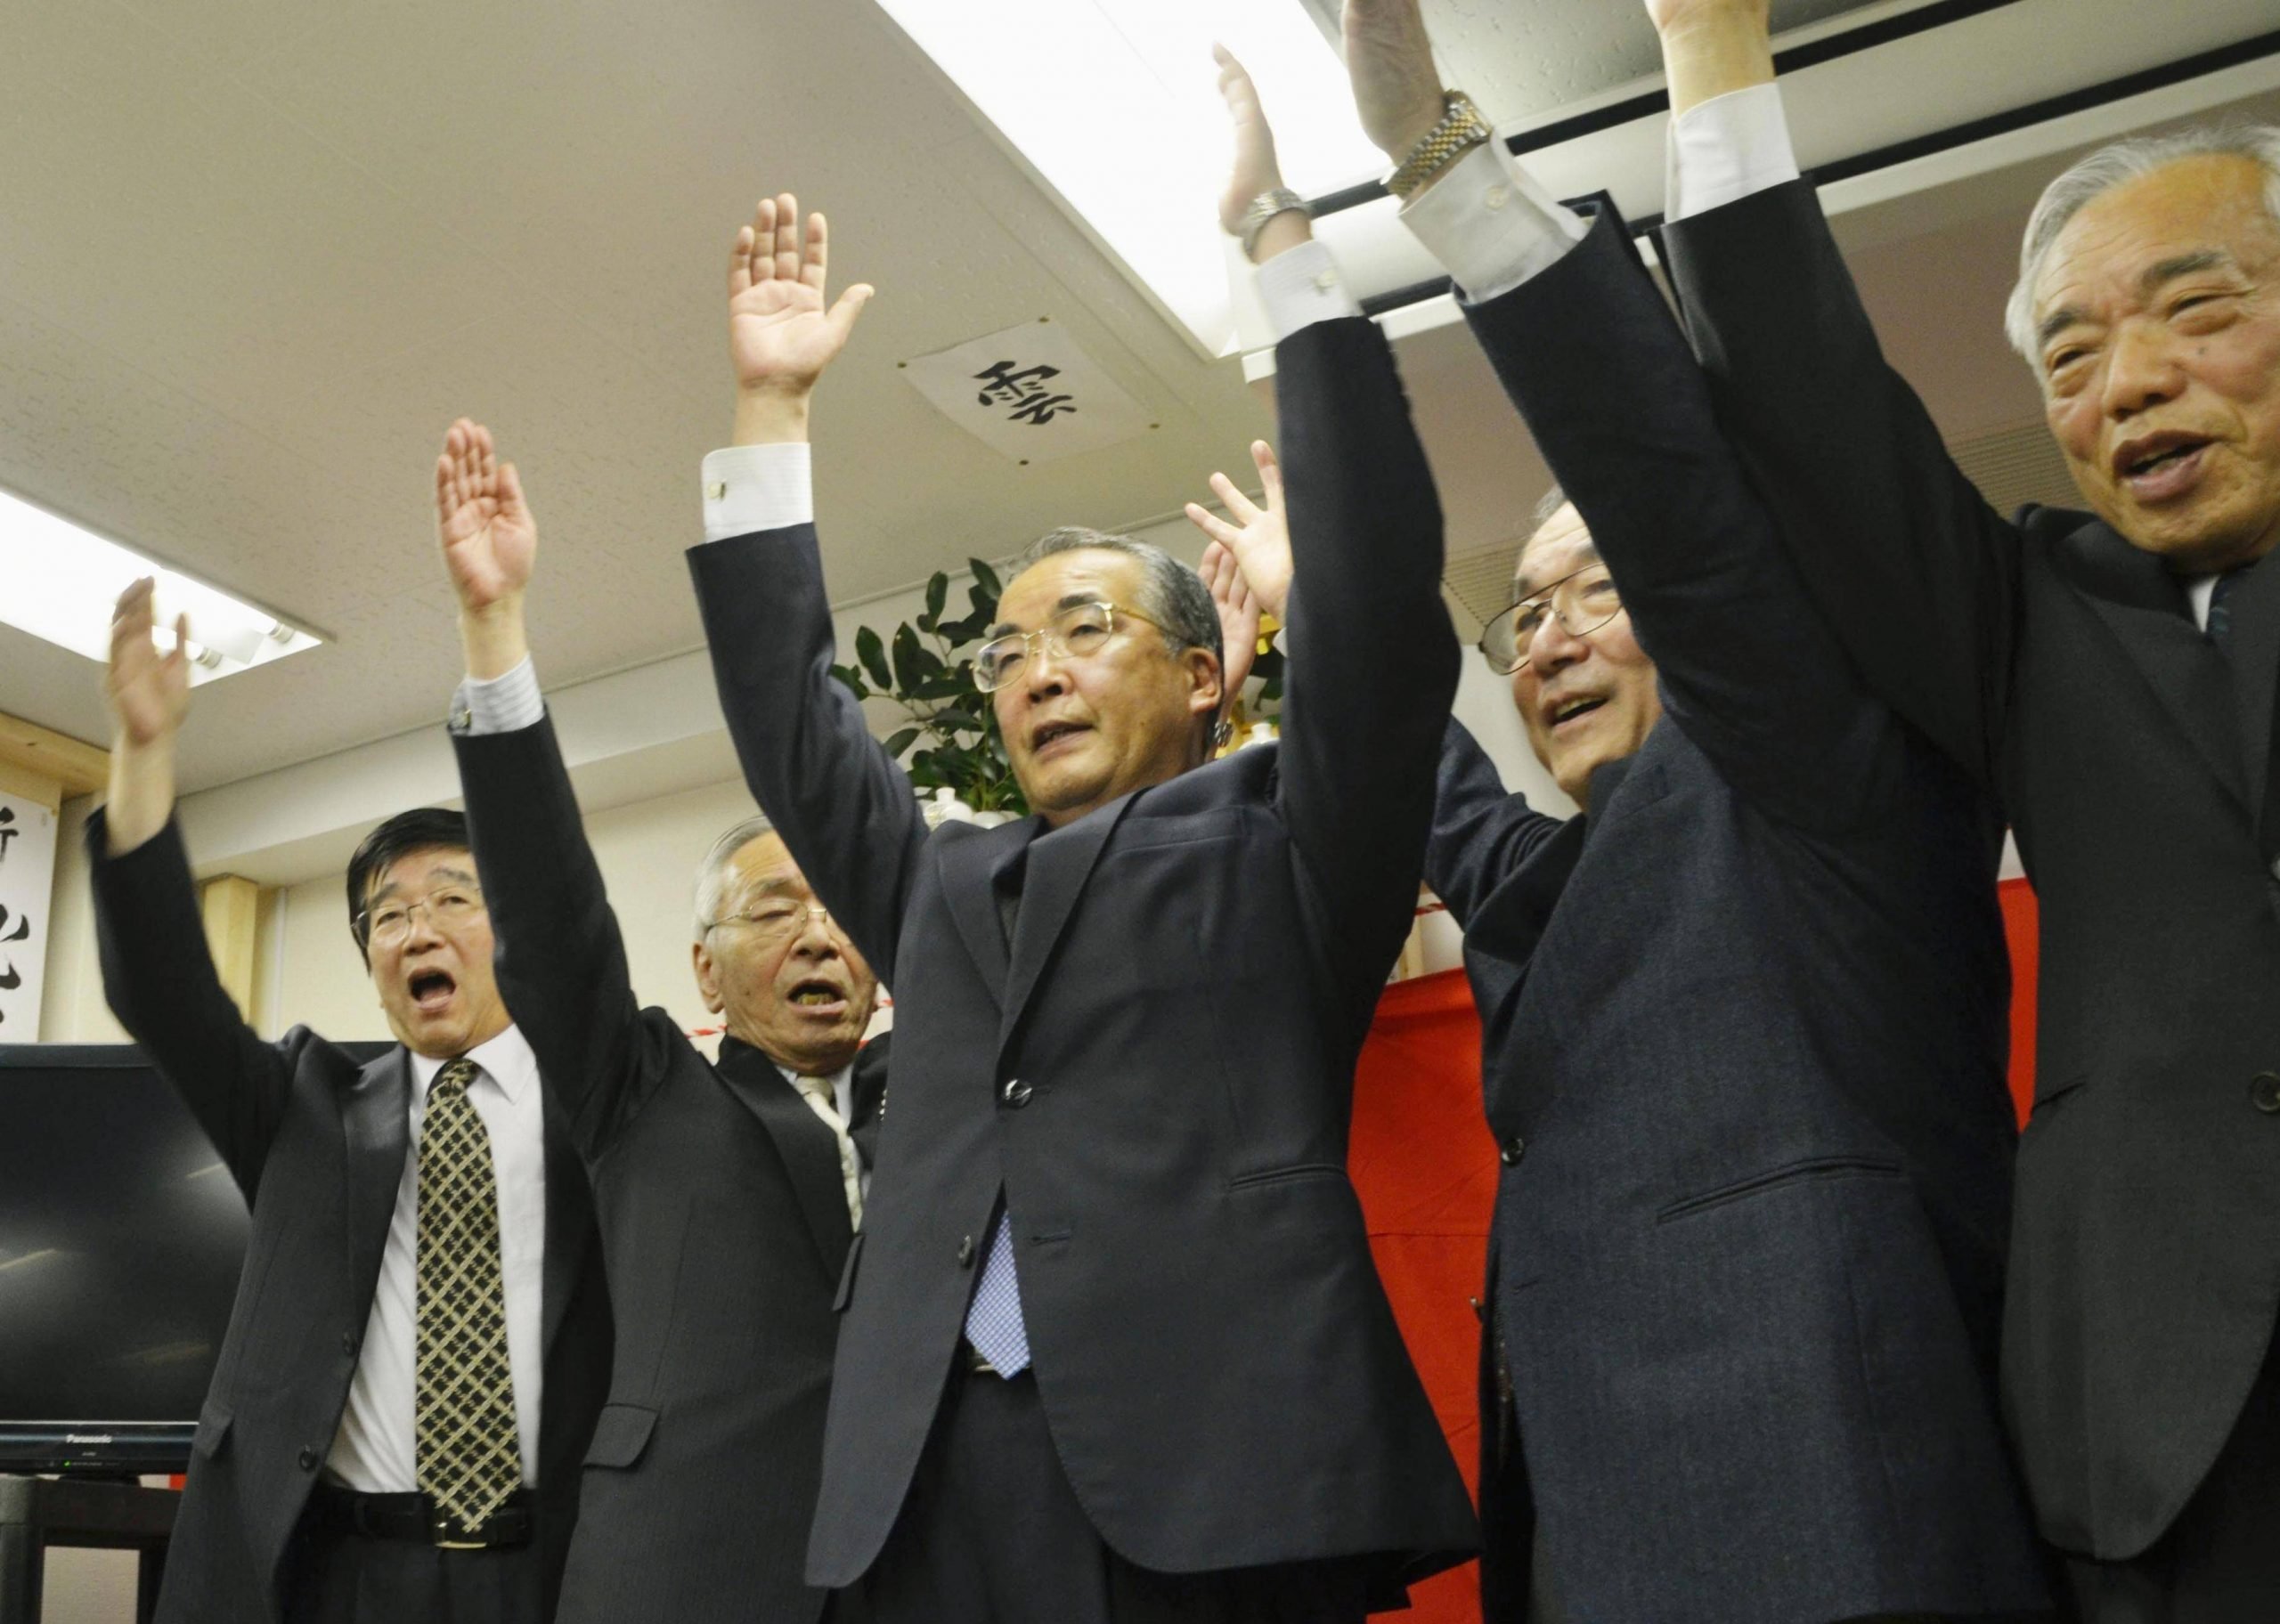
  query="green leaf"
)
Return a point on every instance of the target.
[
  {"x": 957, "y": 720},
  {"x": 944, "y": 685},
  {"x": 938, "y": 592},
  {"x": 985, "y": 579},
  {"x": 851, "y": 680},
  {"x": 874, "y": 656},
  {"x": 900, "y": 742},
  {"x": 906, "y": 672}
]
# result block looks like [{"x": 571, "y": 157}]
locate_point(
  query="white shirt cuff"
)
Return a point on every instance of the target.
[
  {"x": 505, "y": 704},
  {"x": 1727, "y": 148},
  {"x": 1490, "y": 224},
  {"x": 757, "y": 487},
  {"x": 1300, "y": 286}
]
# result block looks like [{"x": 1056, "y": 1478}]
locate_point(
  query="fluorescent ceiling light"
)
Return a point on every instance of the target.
[
  {"x": 1116, "y": 103},
  {"x": 60, "y": 582}
]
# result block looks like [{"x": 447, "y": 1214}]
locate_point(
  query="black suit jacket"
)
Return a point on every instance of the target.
[
  {"x": 724, "y": 1226},
  {"x": 2060, "y": 667},
  {"x": 1157, "y": 1070},
  {"x": 316, "y": 1142},
  {"x": 1744, "y": 1037}
]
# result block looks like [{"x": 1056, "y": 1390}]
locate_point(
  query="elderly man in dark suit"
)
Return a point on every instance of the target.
[
  {"x": 2110, "y": 675},
  {"x": 422, "y": 1335},
  {"x": 1743, "y": 1030},
  {"x": 1114, "y": 1347},
  {"x": 729, "y": 1192}
]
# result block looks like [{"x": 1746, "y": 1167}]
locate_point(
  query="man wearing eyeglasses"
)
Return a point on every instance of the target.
[
  {"x": 728, "y": 1191},
  {"x": 1114, "y": 1347},
  {"x": 1743, "y": 1028},
  {"x": 422, "y": 1335}
]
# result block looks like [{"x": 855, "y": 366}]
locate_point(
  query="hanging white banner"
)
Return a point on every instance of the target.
[
  {"x": 27, "y": 884},
  {"x": 1027, "y": 394}
]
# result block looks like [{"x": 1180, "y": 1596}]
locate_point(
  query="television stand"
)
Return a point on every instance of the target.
[{"x": 36, "y": 1513}]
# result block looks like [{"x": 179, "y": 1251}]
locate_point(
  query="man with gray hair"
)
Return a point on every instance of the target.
[
  {"x": 729, "y": 1193},
  {"x": 2109, "y": 675}
]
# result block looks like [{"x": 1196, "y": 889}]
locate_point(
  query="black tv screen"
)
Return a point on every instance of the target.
[{"x": 121, "y": 1234}]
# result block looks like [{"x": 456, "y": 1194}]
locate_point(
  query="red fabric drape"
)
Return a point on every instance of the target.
[{"x": 1426, "y": 1167}]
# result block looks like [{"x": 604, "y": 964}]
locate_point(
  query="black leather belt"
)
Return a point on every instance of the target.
[{"x": 416, "y": 1519}]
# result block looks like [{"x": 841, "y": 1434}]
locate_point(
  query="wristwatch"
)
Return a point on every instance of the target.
[
  {"x": 1461, "y": 128},
  {"x": 1264, "y": 207}
]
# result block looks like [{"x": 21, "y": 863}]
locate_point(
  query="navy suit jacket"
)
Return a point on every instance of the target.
[
  {"x": 1744, "y": 1037},
  {"x": 2060, "y": 668},
  {"x": 1156, "y": 1071}
]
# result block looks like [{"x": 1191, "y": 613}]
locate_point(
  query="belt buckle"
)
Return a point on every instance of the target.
[{"x": 441, "y": 1525}]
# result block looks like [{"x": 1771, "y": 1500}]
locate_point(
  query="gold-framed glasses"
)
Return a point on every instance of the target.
[
  {"x": 447, "y": 907},
  {"x": 1076, "y": 631},
  {"x": 1582, "y": 601},
  {"x": 777, "y": 918}
]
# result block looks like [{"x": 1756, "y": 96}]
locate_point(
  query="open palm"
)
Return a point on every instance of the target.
[
  {"x": 148, "y": 689},
  {"x": 490, "y": 539},
  {"x": 781, "y": 333}
]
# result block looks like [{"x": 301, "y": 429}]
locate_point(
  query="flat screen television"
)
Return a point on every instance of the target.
[{"x": 121, "y": 1235}]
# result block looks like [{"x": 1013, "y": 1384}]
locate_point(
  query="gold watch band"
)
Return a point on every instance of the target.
[{"x": 1461, "y": 128}]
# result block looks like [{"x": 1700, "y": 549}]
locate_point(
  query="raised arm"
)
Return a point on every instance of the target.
[
  {"x": 158, "y": 973},
  {"x": 559, "y": 954},
  {"x": 1917, "y": 576},
  {"x": 1589, "y": 352},
  {"x": 844, "y": 807},
  {"x": 1372, "y": 662}
]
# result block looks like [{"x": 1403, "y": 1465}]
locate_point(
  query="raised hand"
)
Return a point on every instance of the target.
[
  {"x": 1256, "y": 170},
  {"x": 1389, "y": 60},
  {"x": 1258, "y": 537},
  {"x": 148, "y": 689},
  {"x": 1239, "y": 612},
  {"x": 781, "y": 334},
  {"x": 1712, "y": 47},
  {"x": 490, "y": 539}
]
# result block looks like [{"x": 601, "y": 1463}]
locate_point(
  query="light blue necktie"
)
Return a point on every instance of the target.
[{"x": 993, "y": 1319}]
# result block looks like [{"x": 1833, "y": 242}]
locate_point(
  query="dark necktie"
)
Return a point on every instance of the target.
[
  {"x": 470, "y": 1451},
  {"x": 2220, "y": 612}
]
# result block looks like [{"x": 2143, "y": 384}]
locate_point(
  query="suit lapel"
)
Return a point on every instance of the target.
[
  {"x": 569, "y": 1223},
  {"x": 2253, "y": 652},
  {"x": 376, "y": 1129},
  {"x": 966, "y": 855},
  {"x": 868, "y": 1089},
  {"x": 810, "y": 1149},
  {"x": 1059, "y": 864},
  {"x": 2145, "y": 608}
]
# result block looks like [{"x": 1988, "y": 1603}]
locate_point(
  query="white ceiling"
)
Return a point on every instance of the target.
[{"x": 256, "y": 254}]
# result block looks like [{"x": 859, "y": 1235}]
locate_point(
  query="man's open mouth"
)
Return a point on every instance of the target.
[
  {"x": 1567, "y": 709},
  {"x": 1048, "y": 733},
  {"x": 819, "y": 996},
  {"x": 432, "y": 990},
  {"x": 2159, "y": 465}
]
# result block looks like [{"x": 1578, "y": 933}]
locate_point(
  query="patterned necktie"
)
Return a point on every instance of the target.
[
  {"x": 469, "y": 1451},
  {"x": 822, "y": 1100},
  {"x": 2220, "y": 612},
  {"x": 993, "y": 1319}
]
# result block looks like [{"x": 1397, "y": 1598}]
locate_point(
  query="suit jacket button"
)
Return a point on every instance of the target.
[
  {"x": 1512, "y": 1150},
  {"x": 2265, "y": 1092},
  {"x": 348, "y": 1344},
  {"x": 308, "y": 1458},
  {"x": 965, "y": 1252},
  {"x": 1017, "y": 1093}
]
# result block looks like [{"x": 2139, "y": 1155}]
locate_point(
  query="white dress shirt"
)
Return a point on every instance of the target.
[{"x": 376, "y": 1449}]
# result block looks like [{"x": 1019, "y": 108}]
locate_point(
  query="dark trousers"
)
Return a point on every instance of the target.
[
  {"x": 992, "y": 1534},
  {"x": 334, "y": 1578},
  {"x": 2220, "y": 1562}
]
